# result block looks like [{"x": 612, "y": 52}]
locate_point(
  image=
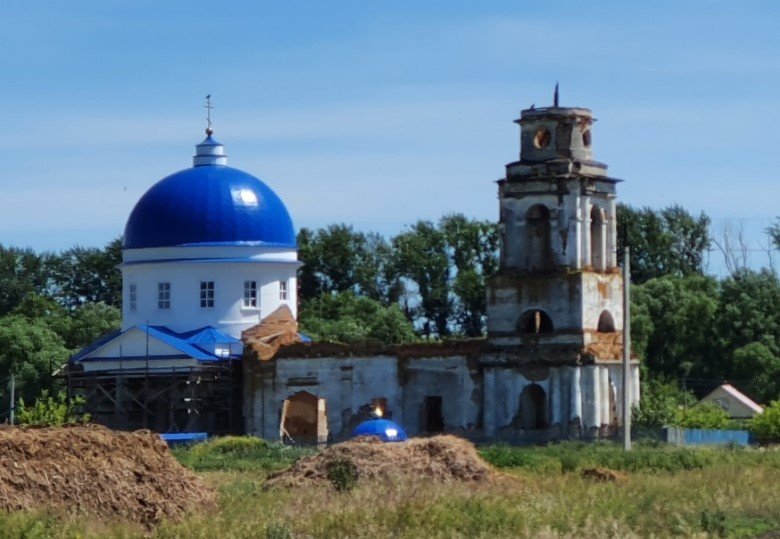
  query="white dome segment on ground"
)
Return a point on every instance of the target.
[{"x": 208, "y": 246}]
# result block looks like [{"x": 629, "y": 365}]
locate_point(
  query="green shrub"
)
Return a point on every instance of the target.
[
  {"x": 766, "y": 426},
  {"x": 51, "y": 411},
  {"x": 703, "y": 416},
  {"x": 572, "y": 456},
  {"x": 343, "y": 474},
  {"x": 241, "y": 453}
]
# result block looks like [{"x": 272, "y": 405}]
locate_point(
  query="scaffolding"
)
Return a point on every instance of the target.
[{"x": 203, "y": 398}]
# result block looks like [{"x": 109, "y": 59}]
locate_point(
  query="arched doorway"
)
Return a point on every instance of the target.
[
  {"x": 304, "y": 419},
  {"x": 538, "y": 237},
  {"x": 533, "y": 408}
]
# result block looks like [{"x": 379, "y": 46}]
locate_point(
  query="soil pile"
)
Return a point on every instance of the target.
[
  {"x": 441, "y": 459},
  {"x": 96, "y": 471},
  {"x": 603, "y": 474}
]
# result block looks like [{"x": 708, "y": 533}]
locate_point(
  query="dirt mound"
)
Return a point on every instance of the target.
[
  {"x": 96, "y": 471},
  {"x": 603, "y": 474},
  {"x": 440, "y": 458}
]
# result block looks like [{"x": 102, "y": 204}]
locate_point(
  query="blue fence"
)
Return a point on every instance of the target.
[
  {"x": 680, "y": 436},
  {"x": 183, "y": 438}
]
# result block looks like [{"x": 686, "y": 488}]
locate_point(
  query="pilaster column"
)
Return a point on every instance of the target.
[{"x": 489, "y": 401}]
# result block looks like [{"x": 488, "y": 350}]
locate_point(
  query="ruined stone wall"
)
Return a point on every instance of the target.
[
  {"x": 487, "y": 396},
  {"x": 350, "y": 385}
]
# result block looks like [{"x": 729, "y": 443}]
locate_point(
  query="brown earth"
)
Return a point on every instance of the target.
[
  {"x": 442, "y": 459},
  {"x": 603, "y": 474},
  {"x": 93, "y": 470}
]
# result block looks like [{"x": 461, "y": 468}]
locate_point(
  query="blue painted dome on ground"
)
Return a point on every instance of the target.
[
  {"x": 209, "y": 204},
  {"x": 386, "y": 430}
]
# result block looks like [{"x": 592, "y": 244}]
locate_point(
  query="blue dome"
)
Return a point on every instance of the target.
[
  {"x": 209, "y": 204},
  {"x": 386, "y": 430}
]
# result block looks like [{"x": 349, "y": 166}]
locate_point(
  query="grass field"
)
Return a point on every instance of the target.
[{"x": 541, "y": 493}]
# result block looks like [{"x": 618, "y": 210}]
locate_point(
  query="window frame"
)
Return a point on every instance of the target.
[
  {"x": 132, "y": 294},
  {"x": 207, "y": 294},
  {"x": 250, "y": 294},
  {"x": 283, "y": 291},
  {"x": 164, "y": 295}
]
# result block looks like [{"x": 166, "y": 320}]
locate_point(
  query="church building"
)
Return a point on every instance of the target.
[{"x": 209, "y": 340}]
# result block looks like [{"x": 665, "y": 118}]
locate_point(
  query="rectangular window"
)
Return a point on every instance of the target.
[
  {"x": 133, "y": 296},
  {"x": 207, "y": 293},
  {"x": 250, "y": 293},
  {"x": 283, "y": 290},
  {"x": 163, "y": 295}
]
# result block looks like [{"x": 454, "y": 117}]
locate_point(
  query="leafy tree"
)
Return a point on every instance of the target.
[
  {"x": 666, "y": 242},
  {"x": 766, "y": 426},
  {"x": 760, "y": 366},
  {"x": 33, "y": 351},
  {"x": 88, "y": 275},
  {"x": 473, "y": 249},
  {"x": 747, "y": 332},
  {"x": 45, "y": 311},
  {"x": 774, "y": 232},
  {"x": 660, "y": 404},
  {"x": 703, "y": 416},
  {"x": 90, "y": 321},
  {"x": 22, "y": 272},
  {"x": 672, "y": 324},
  {"x": 420, "y": 256},
  {"x": 349, "y": 318},
  {"x": 339, "y": 259}
]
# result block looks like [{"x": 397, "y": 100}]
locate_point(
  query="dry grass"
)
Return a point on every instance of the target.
[{"x": 737, "y": 497}]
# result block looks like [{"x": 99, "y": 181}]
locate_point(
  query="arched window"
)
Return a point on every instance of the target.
[
  {"x": 597, "y": 244},
  {"x": 538, "y": 237},
  {"x": 533, "y": 408},
  {"x": 535, "y": 321},
  {"x": 606, "y": 323}
]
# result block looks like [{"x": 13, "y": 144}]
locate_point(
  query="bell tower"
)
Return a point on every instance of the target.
[{"x": 555, "y": 308}]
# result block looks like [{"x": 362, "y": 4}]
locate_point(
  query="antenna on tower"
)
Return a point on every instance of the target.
[
  {"x": 555, "y": 96},
  {"x": 208, "y": 106}
]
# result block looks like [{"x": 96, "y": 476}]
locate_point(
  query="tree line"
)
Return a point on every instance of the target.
[{"x": 428, "y": 282}]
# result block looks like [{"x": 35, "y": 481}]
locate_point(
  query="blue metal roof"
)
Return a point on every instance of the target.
[
  {"x": 208, "y": 335},
  {"x": 187, "y": 343},
  {"x": 211, "y": 204},
  {"x": 386, "y": 430}
]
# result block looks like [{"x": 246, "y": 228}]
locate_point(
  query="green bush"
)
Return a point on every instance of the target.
[
  {"x": 766, "y": 426},
  {"x": 343, "y": 474},
  {"x": 51, "y": 411},
  {"x": 241, "y": 453},
  {"x": 703, "y": 416},
  {"x": 572, "y": 456},
  {"x": 660, "y": 404}
]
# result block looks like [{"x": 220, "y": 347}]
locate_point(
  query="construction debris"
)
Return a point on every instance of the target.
[
  {"x": 93, "y": 470},
  {"x": 275, "y": 330},
  {"x": 443, "y": 459}
]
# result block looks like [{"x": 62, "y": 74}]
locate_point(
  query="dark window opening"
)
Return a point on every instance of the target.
[
  {"x": 597, "y": 238},
  {"x": 534, "y": 322},
  {"x": 606, "y": 323},
  {"x": 432, "y": 417},
  {"x": 539, "y": 234}
]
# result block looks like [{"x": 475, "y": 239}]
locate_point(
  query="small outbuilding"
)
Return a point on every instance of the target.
[{"x": 737, "y": 404}]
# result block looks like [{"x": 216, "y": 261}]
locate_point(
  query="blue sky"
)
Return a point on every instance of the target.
[{"x": 380, "y": 113}]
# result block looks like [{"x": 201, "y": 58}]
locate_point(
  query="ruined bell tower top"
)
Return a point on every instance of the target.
[{"x": 555, "y": 133}]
